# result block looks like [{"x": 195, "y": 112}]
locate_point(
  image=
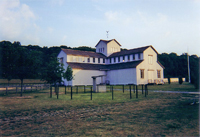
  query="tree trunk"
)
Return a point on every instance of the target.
[{"x": 21, "y": 87}]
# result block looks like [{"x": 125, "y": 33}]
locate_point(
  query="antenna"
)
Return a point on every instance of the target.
[{"x": 107, "y": 33}]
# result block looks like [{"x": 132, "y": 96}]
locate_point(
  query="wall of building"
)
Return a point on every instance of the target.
[
  {"x": 122, "y": 76},
  {"x": 84, "y": 77},
  {"x": 112, "y": 47},
  {"x": 102, "y": 46},
  {"x": 150, "y": 69}
]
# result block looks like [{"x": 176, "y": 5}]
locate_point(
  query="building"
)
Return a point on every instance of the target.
[{"x": 110, "y": 65}]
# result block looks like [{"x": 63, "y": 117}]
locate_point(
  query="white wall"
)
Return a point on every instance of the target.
[
  {"x": 113, "y": 45},
  {"x": 84, "y": 77},
  {"x": 122, "y": 76},
  {"x": 102, "y": 45}
]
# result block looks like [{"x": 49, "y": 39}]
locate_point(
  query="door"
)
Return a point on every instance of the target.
[{"x": 150, "y": 76}]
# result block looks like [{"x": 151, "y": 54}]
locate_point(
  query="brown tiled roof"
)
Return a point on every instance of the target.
[
  {"x": 130, "y": 51},
  {"x": 83, "y": 53},
  {"x": 107, "y": 41},
  {"x": 87, "y": 66}
]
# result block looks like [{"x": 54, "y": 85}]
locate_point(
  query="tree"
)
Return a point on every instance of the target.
[
  {"x": 52, "y": 71},
  {"x": 68, "y": 74}
]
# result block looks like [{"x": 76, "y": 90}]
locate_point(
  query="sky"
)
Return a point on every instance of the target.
[{"x": 167, "y": 25}]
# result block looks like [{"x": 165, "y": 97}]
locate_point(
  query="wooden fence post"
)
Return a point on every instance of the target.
[
  {"x": 112, "y": 92},
  {"x": 136, "y": 91},
  {"x": 130, "y": 91},
  {"x": 145, "y": 91},
  {"x": 71, "y": 92},
  {"x": 142, "y": 89},
  {"x": 133, "y": 88},
  {"x": 123, "y": 88},
  {"x": 50, "y": 91},
  {"x": 65, "y": 90},
  {"x": 57, "y": 89},
  {"x": 91, "y": 93}
]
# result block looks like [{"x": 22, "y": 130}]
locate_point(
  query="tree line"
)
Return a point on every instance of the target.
[{"x": 32, "y": 61}]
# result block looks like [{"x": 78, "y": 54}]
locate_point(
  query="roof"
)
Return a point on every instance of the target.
[
  {"x": 130, "y": 51},
  {"x": 107, "y": 41},
  {"x": 160, "y": 64},
  {"x": 88, "y": 66},
  {"x": 83, "y": 53}
]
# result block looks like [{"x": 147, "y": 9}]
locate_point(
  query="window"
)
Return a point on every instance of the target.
[
  {"x": 142, "y": 73},
  {"x": 93, "y": 60},
  {"x": 110, "y": 60},
  {"x": 114, "y": 59},
  {"x": 103, "y": 60},
  {"x": 158, "y": 73},
  {"x": 118, "y": 59},
  {"x": 138, "y": 55},
  {"x": 133, "y": 56},
  {"x": 103, "y": 49},
  {"x": 128, "y": 57},
  {"x": 88, "y": 60},
  {"x": 98, "y": 60},
  {"x": 61, "y": 60},
  {"x": 123, "y": 58},
  {"x": 150, "y": 58}
]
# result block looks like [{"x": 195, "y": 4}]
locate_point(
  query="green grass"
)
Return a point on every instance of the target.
[{"x": 158, "y": 114}]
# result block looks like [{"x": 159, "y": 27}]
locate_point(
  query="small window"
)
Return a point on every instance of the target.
[
  {"x": 123, "y": 58},
  {"x": 138, "y": 55},
  {"x": 118, "y": 59},
  {"x": 61, "y": 60},
  {"x": 128, "y": 57},
  {"x": 110, "y": 60},
  {"x": 88, "y": 59},
  {"x": 150, "y": 57},
  {"x": 133, "y": 56},
  {"x": 93, "y": 60},
  {"x": 158, "y": 73},
  {"x": 98, "y": 60},
  {"x": 103, "y": 60},
  {"x": 114, "y": 59},
  {"x": 142, "y": 73}
]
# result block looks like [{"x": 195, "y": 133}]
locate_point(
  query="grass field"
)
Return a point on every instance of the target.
[{"x": 158, "y": 114}]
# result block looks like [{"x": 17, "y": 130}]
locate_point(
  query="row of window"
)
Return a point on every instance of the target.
[
  {"x": 115, "y": 59},
  {"x": 101, "y": 50},
  {"x": 142, "y": 73}
]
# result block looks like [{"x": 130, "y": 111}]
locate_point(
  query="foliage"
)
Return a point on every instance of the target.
[{"x": 68, "y": 74}]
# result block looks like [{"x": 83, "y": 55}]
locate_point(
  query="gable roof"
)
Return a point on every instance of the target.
[
  {"x": 107, "y": 41},
  {"x": 131, "y": 51},
  {"x": 83, "y": 53},
  {"x": 88, "y": 66}
]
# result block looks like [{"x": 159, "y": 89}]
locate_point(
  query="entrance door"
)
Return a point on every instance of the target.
[{"x": 150, "y": 76}]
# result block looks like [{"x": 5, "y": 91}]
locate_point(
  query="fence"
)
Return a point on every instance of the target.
[{"x": 88, "y": 89}]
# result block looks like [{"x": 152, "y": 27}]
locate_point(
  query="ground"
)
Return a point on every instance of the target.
[{"x": 158, "y": 114}]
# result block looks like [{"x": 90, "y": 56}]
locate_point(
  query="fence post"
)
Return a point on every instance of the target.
[
  {"x": 130, "y": 91},
  {"x": 57, "y": 89},
  {"x": 133, "y": 88},
  {"x": 91, "y": 93},
  {"x": 50, "y": 91},
  {"x": 71, "y": 92},
  {"x": 123, "y": 88},
  {"x": 112, "y": 92},
  {"x": 65, "y": 90},
  {"x": 76, "y": 89},
  {"x": 6, "y": 90},
  {"x": 84, "y": 88},
  {"x": 142, "y": 89},
  {"x": 145, "y": 91},
  {"x": 110, "y": 88},
  {"x": 136, "y": 91}
]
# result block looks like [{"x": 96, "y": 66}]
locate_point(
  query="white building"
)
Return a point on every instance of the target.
[{"x": 135, "y": 66}]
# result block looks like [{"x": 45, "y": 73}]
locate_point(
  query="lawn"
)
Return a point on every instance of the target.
[{"x": 158, "y": 114}]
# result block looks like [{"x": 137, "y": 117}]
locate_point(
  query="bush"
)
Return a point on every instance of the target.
[{"x": 180, "y": 80}]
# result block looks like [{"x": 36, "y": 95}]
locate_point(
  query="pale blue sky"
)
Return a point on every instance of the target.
[{"x": 168, "y": 25}]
